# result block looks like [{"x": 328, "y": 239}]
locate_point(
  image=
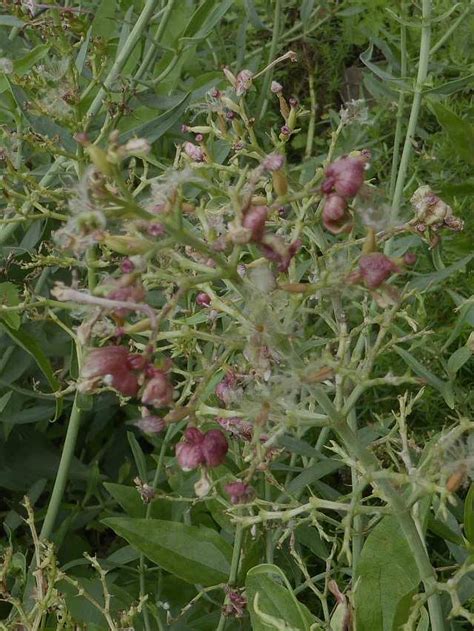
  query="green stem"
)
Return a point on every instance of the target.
[
  {"x": 234, "y": 568},
  {"x": 63, "y": 471},
  {"x": 415, "y": 108},
  {"x": 154, "y": 484},
  {"x": 123, "y": 56},
  {"x": 151, "y": 52},
  {"x": 263, "y": 99},
  {"x": 402, "y": 513},
  {"x": 401, "y": 107}
]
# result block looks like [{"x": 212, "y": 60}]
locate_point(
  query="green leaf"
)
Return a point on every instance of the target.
[
  {"x": 443, "y": 387},
  {"x": 104, "y": 24},
  {"x": 11, "y": 20},
  {"x": 138, "y": 456},
  {"x": 431, "y": 280},
  {"x": 31, "y": 346},
  {"x": 379, "y": 72},
  {"x": 23, "y": 65},
  {"x": 275, "y": 599},
  {"x": 458, "y": 359},
  {"x": 469, "y": 515},
  {"x": 205, "y": 19},
  {"x": 386, "y": 573},
  {"x": 154, "y": 129},
  {"x": 440, "y": 529},
  {"x": 459, "y": 132},
  {"x": 451, "y": 87},
  {"x": 9, "y": 297},
  {"x": 194, "y": 554}
]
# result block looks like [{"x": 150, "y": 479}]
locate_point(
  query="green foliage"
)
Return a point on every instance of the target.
[{"x": 355, "y": 399}]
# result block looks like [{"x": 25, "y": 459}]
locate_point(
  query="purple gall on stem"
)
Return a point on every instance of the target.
[
  {"x": 254, "y": 220},
  {"x": 239, "y": 492},
  {"x": 203, "y": 299},
  {"x": 133, "y": 293},
  {"x": 276, "y": 250},
  {"x": 127, "y": 266},
  {"x": 110, "y": 366},
  {"x": 197, "y": 448},
  {"x": 273, "y": 162},
  {"x": 194, "y": 152},
  {"x": 243, "y": 82},
  {"x": 345, "y": 176},
  {"x": 158, "y": 392},
  {"x": 376, "y": 268},
  {"x": 150, "y": 424},
  {"x": 336, "y": 217}
]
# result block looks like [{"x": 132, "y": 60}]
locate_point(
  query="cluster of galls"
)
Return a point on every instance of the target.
[
  {"x": 343, "y": 179},
  {"x": 432, "y": 214},
  {"x": 128, "y": 373}
]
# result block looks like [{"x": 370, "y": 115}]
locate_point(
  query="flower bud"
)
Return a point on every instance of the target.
[
  {"x": 127, "y": 266},
  {"x": 109, "y": 365},
  {"x": 276, "y": 87},
  {"x": 158, "y": 391},
  {"x": 132, "y": 293},
  {"x": 276, "y": 250},
  {"x": 409, "y": 258},
  {"x": 254, "y": 220},
  {"x": 375, "y": 268},
  {"x": 214, "y": 448},
  {"x": 188, "y": 452},
  {"x": 243, "y": 81},
  {"x": 239, "y": 492},
  {"x": 136, "y": 146},
  {"x": 203, "y": 299},
  {"x": 194, "y": 152}
]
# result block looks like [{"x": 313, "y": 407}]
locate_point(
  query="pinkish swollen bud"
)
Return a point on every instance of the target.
[
  {"x": 203, "y": 299},
  {"x": 243, "y": 81},
  {"x": 110, "y": 365},
  {"x": 276, "y": 250},
  {"x": 214, "y": 448},
  {"x": 189, "y": 456},
  {"x": 194, "y": 152},
  {"x": 336, "y": 217},
  {"x": 184, "y": 128},
  {"x": 409, "y": 258},
  {"x": 346, "y": 175},
  {"x": 215, "y": 93},
  {"x": 199, "y": 138},
  {"x": 276, "y": 87},
  {"x": 132, "y": 293},
  {"x": 158, "y": 391},
  {"x": 239, "y": 492},
  {"x": 375, "y": 268},
  {"x": 273, "y": 162},
  {"x": 254, "y": 220},
  {"x": 285, "y": 130},
  {"x": 151, "y": 424},
  {"x": 293, "y": 102},
  {"x": 127, "y": 266},
  {"x": 156, "y": 229}
]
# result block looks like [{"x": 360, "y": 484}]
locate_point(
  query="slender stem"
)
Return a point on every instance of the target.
[
  {"x": 401, "y": 107},
  {"x": 415, "y": 108},
  {"x": 122, "y": 57},
  {"x": 402, "y": 513},
  {"x": 151, "y": 52},
  {"x": 312, "y": 116},
  {"x": 263, "y": 99},
  {"x": 154, "y": 484},
  {"x": 63, "y": 471},
  {"x": 234, "y": 568}
]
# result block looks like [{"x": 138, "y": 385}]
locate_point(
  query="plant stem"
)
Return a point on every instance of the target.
[
  {"x": 151, "y": 52},
  {"x": 263, "y": 99},
  {"x": 154, "y": 484},
  {"x": 400, "y": 108},
  {"x": 402, "y": 513},
  {"x": 234, "y": 568},
  {"x": 63, "y": 471},
  {"x": 415, "y": 108},
  {"x": 122, "y": 57},
  {"x": 312, "y": 116}
]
